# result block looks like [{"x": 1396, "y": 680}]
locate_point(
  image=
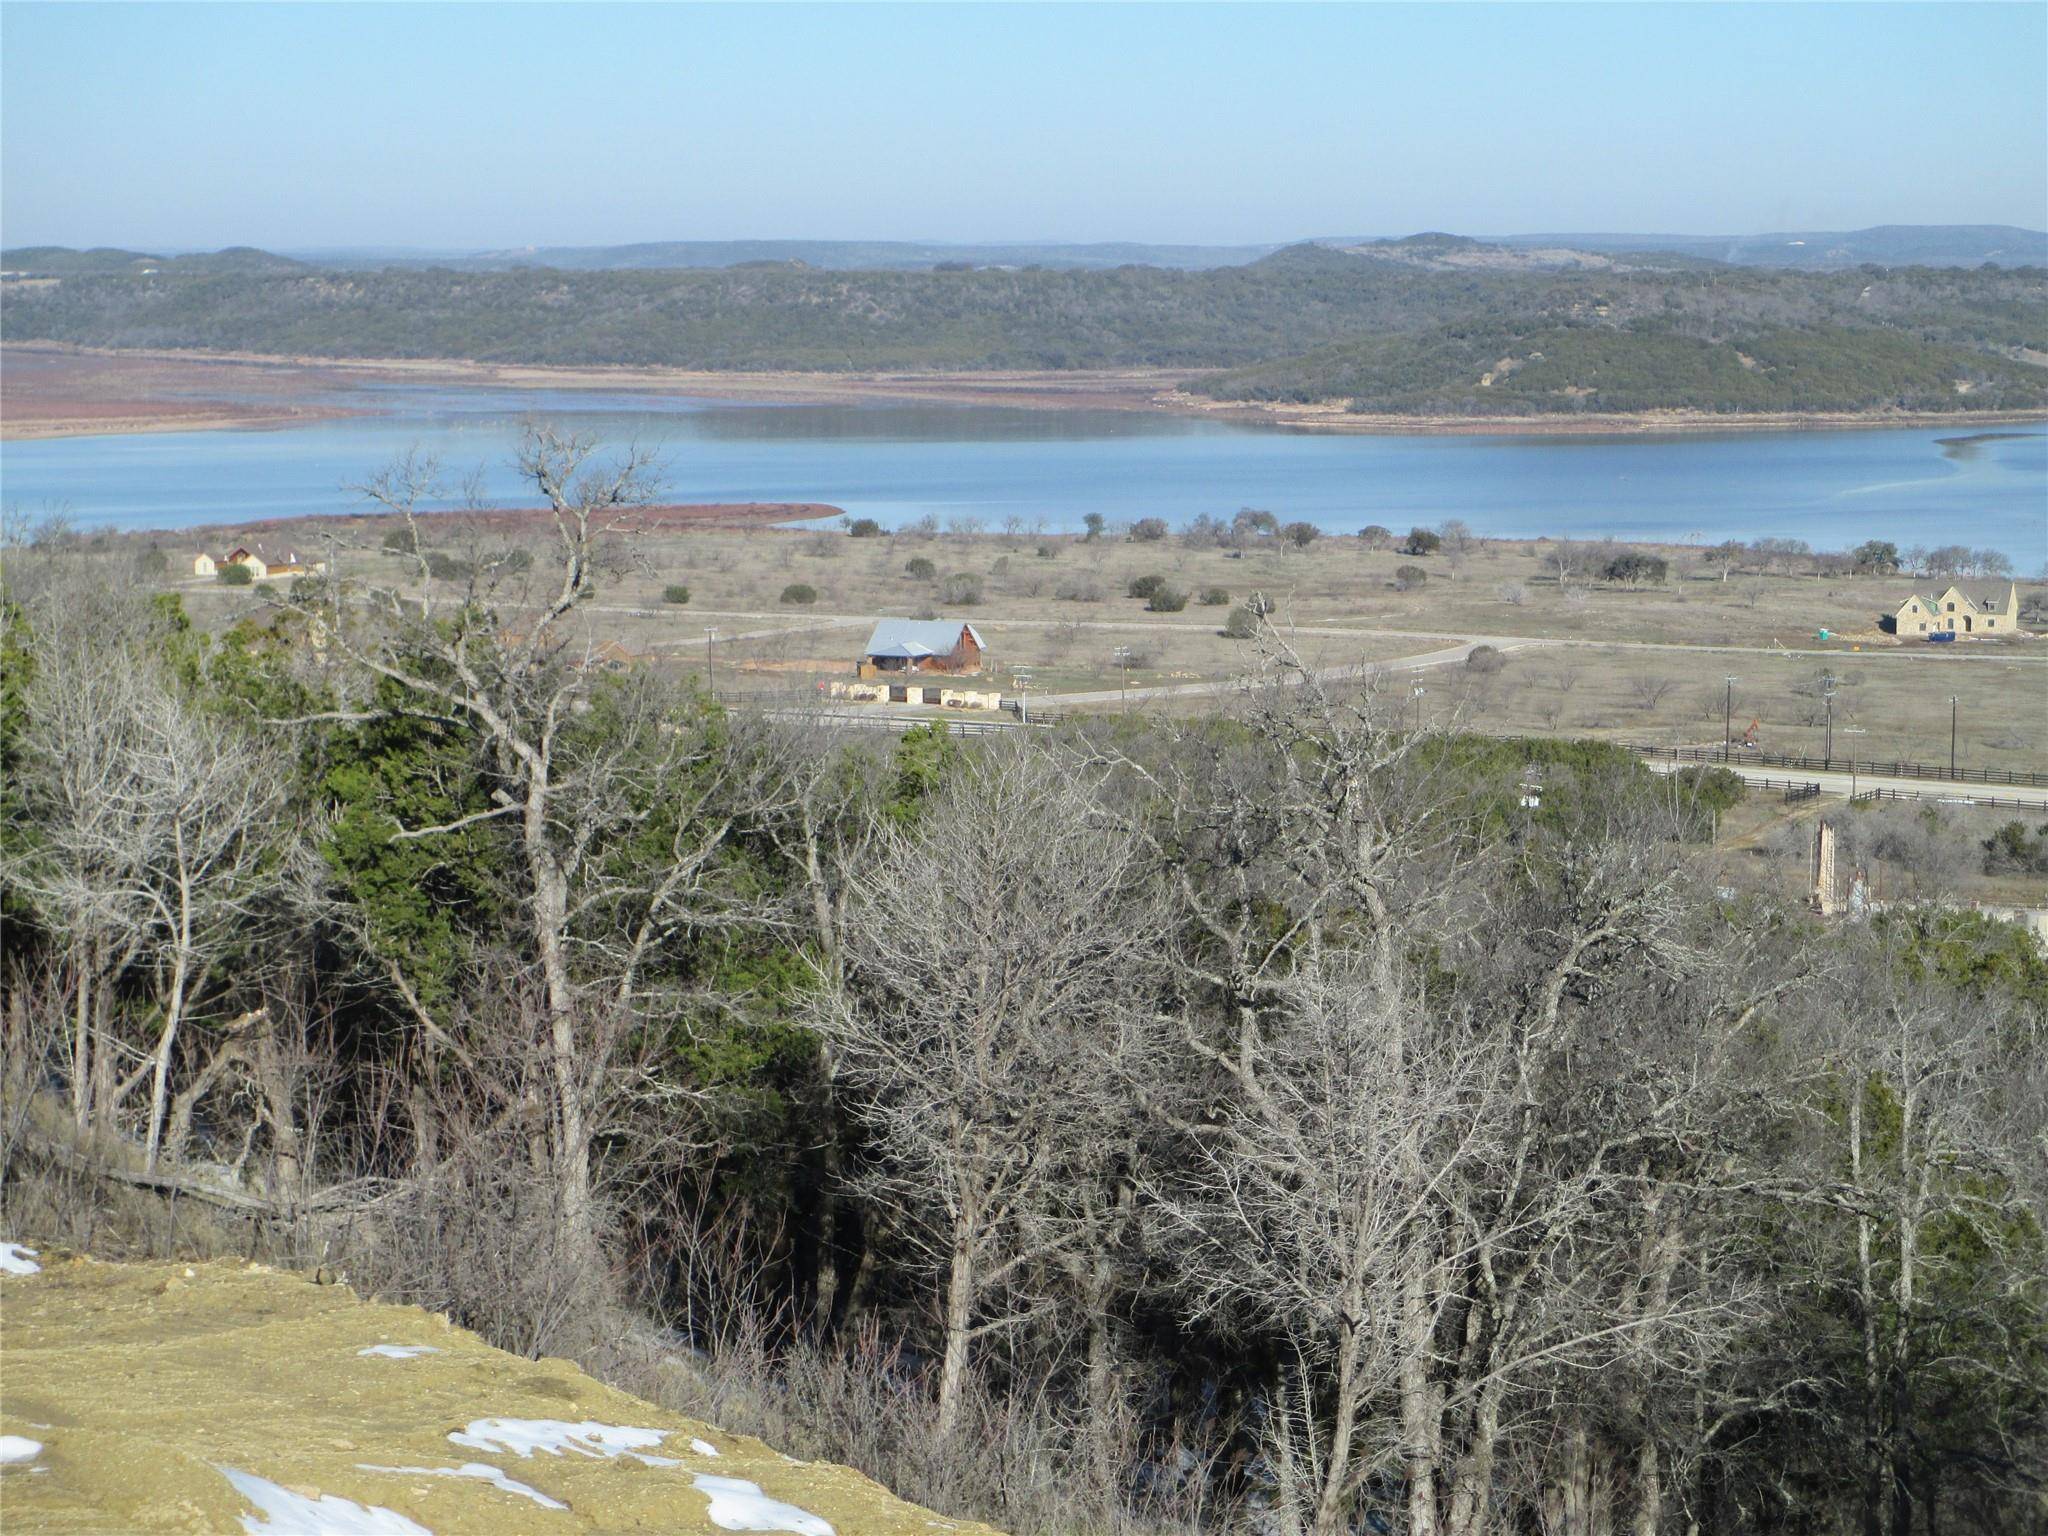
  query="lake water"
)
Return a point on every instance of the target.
[{"x": 1952, "y": 485}]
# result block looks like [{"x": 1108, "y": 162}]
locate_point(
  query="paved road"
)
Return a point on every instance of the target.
[{"x": 1844, "y": 785}]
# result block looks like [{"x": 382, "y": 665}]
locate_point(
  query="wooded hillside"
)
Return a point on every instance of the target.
[{"x": 1308, "y": 322}]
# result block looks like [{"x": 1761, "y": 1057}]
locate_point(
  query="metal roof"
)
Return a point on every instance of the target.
[{"x": 915, "y": 638}]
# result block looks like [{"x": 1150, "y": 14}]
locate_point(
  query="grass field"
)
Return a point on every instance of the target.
[{"x": 1585, "y": 658}]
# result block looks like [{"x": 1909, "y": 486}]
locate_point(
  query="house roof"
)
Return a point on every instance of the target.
[{"x": 916, "y": 638}]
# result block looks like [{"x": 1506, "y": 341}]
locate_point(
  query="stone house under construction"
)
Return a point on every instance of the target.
[{"x": 1956, "y": 612}]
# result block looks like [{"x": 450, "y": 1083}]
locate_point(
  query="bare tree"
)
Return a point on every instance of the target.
[
  {"x": 1514, "y": 1221},
  {"x": 988, "y": 948},
  {"x": 166, "y": 840},
  {"x": 607, "y": 788},
  {"x": 1929, "y": 1145},
  {"x": 1568, "y": 559},
  {"x": 1302, "y": 1200},
  {"x": 1650, "y": 689},
  {"x": 817, "y": 805}
]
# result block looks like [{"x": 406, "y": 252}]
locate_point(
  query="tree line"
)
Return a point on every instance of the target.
[{"x": 1283, "y": 1121}]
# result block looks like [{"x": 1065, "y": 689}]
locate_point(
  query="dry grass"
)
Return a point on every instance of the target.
[
  {"x": 1887, "y": 706},
  {"x": 1058, "y": 607}
]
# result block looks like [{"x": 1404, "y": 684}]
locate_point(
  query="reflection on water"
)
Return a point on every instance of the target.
[
  {"x": 1049, "y": 469},
  {"x": 1973, "y": 446}
]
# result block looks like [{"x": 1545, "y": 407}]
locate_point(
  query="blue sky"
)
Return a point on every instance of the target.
[{"x": 177, "y": 126}]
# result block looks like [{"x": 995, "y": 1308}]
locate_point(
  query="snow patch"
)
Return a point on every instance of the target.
[
  {"x": 737, "y": 1505},
  {"x": 15, "y": 1448},
  {"x": 478, "y": 1470},
  {"x": 522, "y": 1437},
  {"x": 704, "y": 1448},
  {"x": 284, "y": 1513},
  {"x": 17, "y": 1260},
  {"x": 399, "y": 1351}
]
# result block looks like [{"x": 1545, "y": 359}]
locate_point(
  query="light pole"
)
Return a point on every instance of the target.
[
  {"x": 1416, "y": 692},
  {"x": 1728, "y": 719},
  {"x": 1827, "y": 694},
  {"x": 1123, "y": 675},
  {"x": 1951, "y": 735},
  {"x": 1023, "y": 680},
  {"x": 710, "y": 666}
]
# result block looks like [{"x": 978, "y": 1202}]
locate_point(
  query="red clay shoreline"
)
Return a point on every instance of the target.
[
  {"x": 650, "y": 519},
  {"x": 85, "y": 391}
]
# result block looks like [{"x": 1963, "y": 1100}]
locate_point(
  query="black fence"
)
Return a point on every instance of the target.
[
  {"x": 1872, "y": 796},
  {"x": 1743, "y": 757}
]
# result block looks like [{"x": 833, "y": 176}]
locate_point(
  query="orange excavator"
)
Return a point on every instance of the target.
[{"x": 1749, "y": 736}]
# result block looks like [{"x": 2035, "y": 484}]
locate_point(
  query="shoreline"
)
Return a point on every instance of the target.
[
  {"x": 1151, "y": 390},
  {"x": 240, "y": 419}
]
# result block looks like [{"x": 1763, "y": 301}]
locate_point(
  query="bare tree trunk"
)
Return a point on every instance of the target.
[
  {"x": 1472, "y": 1489},
  {"x": 1649, "y": 1487},
  {"x": 1420, "y": 1425},
  {"x": 1579, "y": 1504},
  {"x": 960, "y": 1287},
  {"x": 1902, "y": 1341},
  {"x": 1100, "y": 1364},
  {"x": 1332, "y": 1503},
  {"x": 167, "y": 1042},
  {"x": 82, "y": 1037},
  {"x": 550, "y": 928},
  {"x": 1866, "y": 1296},
  {"x": 102, "y": 1100},
  {"x": 287, "y": 1143}
]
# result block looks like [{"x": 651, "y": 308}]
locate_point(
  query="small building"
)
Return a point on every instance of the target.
[
  {"x": 1956, "y": 612},
  {"x": 921, "y": 645},
  {"x": 262, "y": 566}
]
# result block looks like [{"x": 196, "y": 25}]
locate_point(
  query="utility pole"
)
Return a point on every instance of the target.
[
  {"x": 1827, "y": 694},
  {"x": 1951, "y": 735},
  {"x": 1728, "y": 720},
  {"x": 1123, "y": 675},
  {"x": 710, "y": 665},
  {"x": 1416, "y": 692}
]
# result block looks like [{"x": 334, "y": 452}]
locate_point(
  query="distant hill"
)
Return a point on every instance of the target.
[
  {"x": 1504, "y": 369},
  {"x": 1425, "y": 325},
  {"x": 237, "y": 258},
  {"x": 61, "y": 261},
  {"x": 1887, "y": 245},
  {"x": 1930, "y": 245},
  {"x": 830, "y": 255}
]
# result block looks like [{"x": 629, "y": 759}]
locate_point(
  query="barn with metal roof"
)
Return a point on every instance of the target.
[{"x": 922, "y": 645}]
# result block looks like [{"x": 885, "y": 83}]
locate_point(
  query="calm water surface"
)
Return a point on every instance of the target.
[{"x": 1951, "y": 485}]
